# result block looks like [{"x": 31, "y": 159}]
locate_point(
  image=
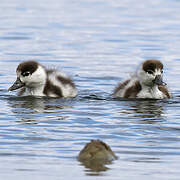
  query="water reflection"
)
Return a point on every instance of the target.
[
  {"x": 146, "y": 111},
  {"x": 150, "y": 111},
  {"x": 38, "y": 104},
  {"x": 94, "y": 167},
  {"x": 27, "y": 108},
  {"x": 26, "y": 104}
]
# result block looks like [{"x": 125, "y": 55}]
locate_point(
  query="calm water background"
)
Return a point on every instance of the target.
[{"x": 98, "y": 43}]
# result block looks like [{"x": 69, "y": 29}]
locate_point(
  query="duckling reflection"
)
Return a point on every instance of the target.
[
  {"x": 26, "y": 104},
  {"x": 95, "y": 155},
  {"x": 150, "y": 111},
  {"x": 30, "y": 104}
]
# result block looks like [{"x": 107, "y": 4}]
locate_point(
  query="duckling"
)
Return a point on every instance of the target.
[
  {"x": 146, "y": 83},
  {"x": 97, "y": 150},
  {"x": 34, "y": 79}
]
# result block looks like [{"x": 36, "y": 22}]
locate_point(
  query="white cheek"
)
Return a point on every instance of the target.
[
  {"x": 22, "y": 79},
  {"x": 38, "y": 77},
  {"x": 25, "y": 79},
  {"x": 145, "y": 78},
  {"x": 33, "y": 78},
  {"x": 150, "y": 76}
]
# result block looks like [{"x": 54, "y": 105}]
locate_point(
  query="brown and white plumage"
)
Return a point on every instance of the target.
[
  {"x": 146, "y": 83},
  {"x": 34, "y": 79}
]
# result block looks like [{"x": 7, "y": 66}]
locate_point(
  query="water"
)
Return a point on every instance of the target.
[{"x": 98, "y": 43}]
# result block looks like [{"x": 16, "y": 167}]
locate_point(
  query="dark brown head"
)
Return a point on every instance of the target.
[
  {"x": 151, "y": 72},
  {"x": 27, "y": 67},
  {"x": 151, "y": 65}
]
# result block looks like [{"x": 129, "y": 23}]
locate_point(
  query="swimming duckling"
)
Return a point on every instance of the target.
[
  {"x": 34, "y": 79},
  {"x": 146, "y": 83},
  {"x": 97, "y": 150}
]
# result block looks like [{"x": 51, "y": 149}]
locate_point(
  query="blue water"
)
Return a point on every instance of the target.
[{"x": 98, "y": 43}]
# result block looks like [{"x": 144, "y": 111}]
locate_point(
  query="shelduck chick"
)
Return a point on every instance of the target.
[
  {"x": 97, "y": 150},
  {"x": 34, "y": 79},
  {"x": 146, "y": 83}
]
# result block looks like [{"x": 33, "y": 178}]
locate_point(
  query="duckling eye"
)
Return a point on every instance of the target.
[
  {"x": 27, "y": 73},
  {"x": 150, "y": 72}
]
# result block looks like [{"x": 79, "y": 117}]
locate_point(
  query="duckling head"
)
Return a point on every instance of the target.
[
  {"x": 150, "y": 73},
  {"x": 30, "y": 74}
]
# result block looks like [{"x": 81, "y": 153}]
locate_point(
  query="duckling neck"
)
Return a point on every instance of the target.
[
  {"x": 150, "y": 92},
  {"x": 150, "y": 88},
  {"x": 36, "y": 90}
]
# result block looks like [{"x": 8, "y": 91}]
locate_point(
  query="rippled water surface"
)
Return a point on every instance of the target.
[{"x": 98, "y": 43}]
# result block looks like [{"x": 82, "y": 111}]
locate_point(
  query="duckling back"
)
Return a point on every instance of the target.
[{"x": 97, "y": 150}]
